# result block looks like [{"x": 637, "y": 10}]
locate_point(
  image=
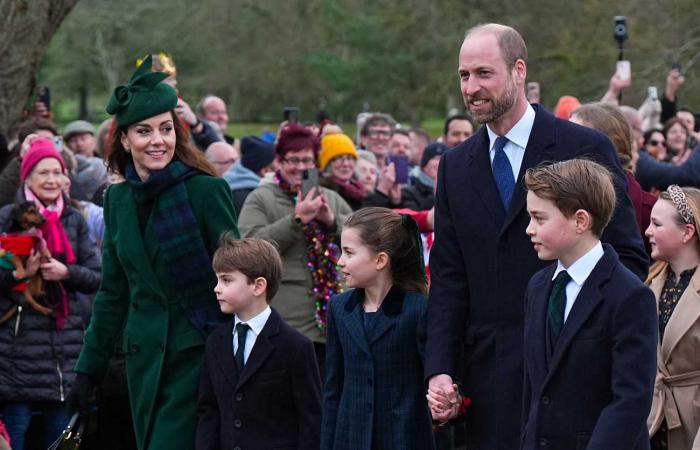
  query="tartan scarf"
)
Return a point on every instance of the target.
[
  {"x": 322, "y": 253},
  {"x": 180, "y": 240}
]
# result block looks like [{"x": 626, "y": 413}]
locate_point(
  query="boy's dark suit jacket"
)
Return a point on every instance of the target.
[
  {"x": 480, "y": 265},
  {"x": 374, "y": 395},
  {"x": 595, "y": 390},
  {"x": 274, "y": 403}
]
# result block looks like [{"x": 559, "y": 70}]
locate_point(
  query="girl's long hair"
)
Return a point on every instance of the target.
[
  {"x": 117, "y": 158},
  {"x": 383, "y": 230},
  {"x": 693, "y": 197}
]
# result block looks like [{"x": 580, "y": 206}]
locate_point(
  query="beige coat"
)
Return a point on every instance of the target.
[{"x": 677, "y": 390}]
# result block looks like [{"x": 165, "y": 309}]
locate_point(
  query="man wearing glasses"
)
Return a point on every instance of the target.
[{"x": 375, "y": 135}]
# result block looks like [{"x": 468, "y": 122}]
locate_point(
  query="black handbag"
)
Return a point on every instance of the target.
[{"x": 72, "y": 435}]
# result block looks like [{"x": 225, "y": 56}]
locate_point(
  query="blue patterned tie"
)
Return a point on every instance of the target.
[{"x": 503, "y": 171}]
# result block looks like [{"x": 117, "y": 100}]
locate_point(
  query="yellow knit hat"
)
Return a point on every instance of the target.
[{"x": 334, "y": 145}]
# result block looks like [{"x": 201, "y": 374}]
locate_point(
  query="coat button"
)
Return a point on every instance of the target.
[
  {"x": 239, "y": 397},
  {"x": 134, "y": 348},
  {"x": 237, "y": 423},
  {"x": 546, "y": 400},
  {"x": 543, "y": 442}
]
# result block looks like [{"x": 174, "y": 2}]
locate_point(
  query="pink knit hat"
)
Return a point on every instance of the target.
[{"x": 39, "y": 149}]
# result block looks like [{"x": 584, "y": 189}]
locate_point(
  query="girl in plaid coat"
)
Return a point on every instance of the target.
[{"x": 374, "y": 394}]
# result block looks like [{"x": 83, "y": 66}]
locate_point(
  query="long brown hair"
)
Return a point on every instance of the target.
[
  {"x": 117, "y": 158},
  {"x": 383, "y": 230}
]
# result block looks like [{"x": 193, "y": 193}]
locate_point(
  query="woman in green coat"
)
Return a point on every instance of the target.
[{"x": 156, "y": 301}]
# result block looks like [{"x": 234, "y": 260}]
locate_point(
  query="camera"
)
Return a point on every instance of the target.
[{"x": 620, "y": 29}]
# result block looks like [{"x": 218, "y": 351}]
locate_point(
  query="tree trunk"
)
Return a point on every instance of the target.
[{"x": 26, "y": 27}]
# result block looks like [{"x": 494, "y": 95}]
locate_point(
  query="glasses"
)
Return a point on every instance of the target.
[
  {"x": 297, "y": 161},
  {"x": 379, "y": 133},
  {"x": 344, "y": 158},
  {"x": 655, "y": 143}
]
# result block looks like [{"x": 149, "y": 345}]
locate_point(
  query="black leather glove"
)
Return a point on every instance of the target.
[{"x": 80, "y": 394}]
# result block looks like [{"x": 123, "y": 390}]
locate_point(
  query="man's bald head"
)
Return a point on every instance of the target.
[
  {"x": 222, "y": 156},
  {"x": 510, "y": 42},
  {"x": 213, "y": 109}
]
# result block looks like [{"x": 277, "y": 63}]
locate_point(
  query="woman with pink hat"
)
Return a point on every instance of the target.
[{"x": 38, "y": 349}]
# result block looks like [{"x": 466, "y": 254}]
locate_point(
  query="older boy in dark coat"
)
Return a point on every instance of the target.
[{"x": 590, "y": 323}]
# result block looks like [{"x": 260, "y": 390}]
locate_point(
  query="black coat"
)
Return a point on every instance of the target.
[
  {"x": 418, "y": 196},
  {"x": 481, "y": 262},
  {"x": 274, "y": 403},
  {"x": 595, "y": 391},
  {"x": 37, "y": 363}
]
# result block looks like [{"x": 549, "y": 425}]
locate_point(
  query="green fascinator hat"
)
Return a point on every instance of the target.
[{"x": 142, "y": 97}]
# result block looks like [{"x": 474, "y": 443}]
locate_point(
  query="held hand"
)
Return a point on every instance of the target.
[
  {"x": 325, "y": 214},
  {"x": 32, "y": 264},
  {"x": 185, "y": 113},
  {"x": 442, "y": 397},
  {"x": 54, "y": 270},
  {"x": 307, "y": 208}
]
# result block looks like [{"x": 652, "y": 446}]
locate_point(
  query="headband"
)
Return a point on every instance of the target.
[{"x": 680, "y": 201}]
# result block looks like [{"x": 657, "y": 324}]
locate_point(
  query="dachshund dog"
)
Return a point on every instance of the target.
[{"x": 26, "y": 219}]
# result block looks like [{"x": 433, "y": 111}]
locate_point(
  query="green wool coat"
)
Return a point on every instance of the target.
[{"x": 137, "y": 309}]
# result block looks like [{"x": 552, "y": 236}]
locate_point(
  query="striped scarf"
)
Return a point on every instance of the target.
[{"x": 180, "y": 240}]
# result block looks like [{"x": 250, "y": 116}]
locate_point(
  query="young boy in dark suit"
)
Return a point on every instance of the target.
[
  {"x": 590, "y": 323},
  {"x": 260, "y": 386}
]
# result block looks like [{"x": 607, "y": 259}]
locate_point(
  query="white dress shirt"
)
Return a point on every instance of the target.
[
  {"x": 256, "y": 325},
  {"x": 517, "y": 140},
  {"x": 579, "y": 272}
]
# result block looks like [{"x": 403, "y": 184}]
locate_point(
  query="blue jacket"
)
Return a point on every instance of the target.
[
  {"x": 374, "y": 394},
  {"x": 595, "y": 390}
]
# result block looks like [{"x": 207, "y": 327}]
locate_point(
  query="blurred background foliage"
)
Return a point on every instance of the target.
[{"x": 346, "y": 56}]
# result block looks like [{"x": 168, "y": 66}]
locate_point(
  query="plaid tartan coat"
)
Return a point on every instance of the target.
[
  {"x": 138, "y": 310},
  {"x": 374, "y": 394}
]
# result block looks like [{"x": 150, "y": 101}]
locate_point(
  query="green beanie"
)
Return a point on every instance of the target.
[{"x": 142, "y": 97}]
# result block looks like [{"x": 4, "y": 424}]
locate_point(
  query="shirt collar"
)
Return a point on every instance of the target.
[
  {"x": 520, "y": 133},
  {"x": 580, "y": 270},
  {"x": 257, "y": 323}
]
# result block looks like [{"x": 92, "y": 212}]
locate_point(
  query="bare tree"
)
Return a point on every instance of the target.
[{"x": 25, "y": 31}]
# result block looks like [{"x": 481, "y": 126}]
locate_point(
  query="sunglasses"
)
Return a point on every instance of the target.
[{"x": 655, "y": 143}]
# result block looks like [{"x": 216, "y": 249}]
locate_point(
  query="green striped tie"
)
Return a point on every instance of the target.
[{"x": 557, "y": 304}]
